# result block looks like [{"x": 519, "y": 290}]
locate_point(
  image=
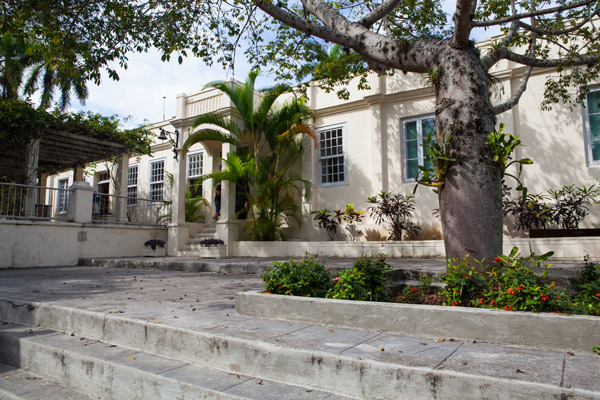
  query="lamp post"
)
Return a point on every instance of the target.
[{"x": 166, "y": 135}]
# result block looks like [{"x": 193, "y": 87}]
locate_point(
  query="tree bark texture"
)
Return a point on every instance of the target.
[{"x": 471, "y": 198}]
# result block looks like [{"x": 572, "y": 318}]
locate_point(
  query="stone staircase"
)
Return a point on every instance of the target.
[{"x": 193, "y": 247}]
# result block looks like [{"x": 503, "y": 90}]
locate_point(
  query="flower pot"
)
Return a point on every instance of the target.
[{"x": 156, "y": 252}]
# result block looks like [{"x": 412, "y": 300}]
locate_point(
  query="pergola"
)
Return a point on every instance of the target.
[{"x": 58, "y": 151}]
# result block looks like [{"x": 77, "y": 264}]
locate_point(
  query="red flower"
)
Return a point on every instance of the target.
[
  {"x": 510, "y": 291},
  {"x": 414, "y": 289},
  {"x": 544, "y": 297},
  {"x": 598, "y": 295},
  {"x": 497, "y": 259},
  {"x": 337, "y": 278},
  {"x": 508, "y": 308},
  {"x": 464, "y": 275},
  {"x": 267, "y": 292},
  {"x": 481, "y": 301}
]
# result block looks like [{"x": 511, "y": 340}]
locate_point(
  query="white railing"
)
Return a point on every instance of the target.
[
  {"x": 137, "y": 211},
  {"x": 204, "y": 105},
  {"x": 33, "y": 202}
]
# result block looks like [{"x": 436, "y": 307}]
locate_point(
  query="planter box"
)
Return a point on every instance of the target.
[
  {"x": 157, "y": 252},
  {"x": 550, "y": 233}
]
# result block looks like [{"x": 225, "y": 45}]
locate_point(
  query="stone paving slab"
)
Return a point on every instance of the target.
[{"x": 168, "y": 304}]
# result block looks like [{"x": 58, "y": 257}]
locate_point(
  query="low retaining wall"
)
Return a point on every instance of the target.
[
  {"x": 44, "y": 244},
  {"x": 571, "y": 249},
  {"x": 543, "y": 330}
]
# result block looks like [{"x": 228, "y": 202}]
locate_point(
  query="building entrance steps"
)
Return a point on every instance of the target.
[{"x": 190, "y": 318}]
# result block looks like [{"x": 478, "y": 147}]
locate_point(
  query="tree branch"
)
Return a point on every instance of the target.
[
  {"x": 492, "y": 57},
  {"x": 551, "y": 63},
  {"x": 500, "y": 108},
  {"x": 545, "y": 32},
  {"x": 500, "y": 21},
  {"x": 378, "y": 13},
  {"x": 462, "y": 22}
]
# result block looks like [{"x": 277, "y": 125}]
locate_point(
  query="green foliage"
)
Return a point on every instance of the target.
[
  {"x": 395, "y": 209},
  {"x": 415, "y": 294},
  {"x": 464, "y": 283},
  {"x": 331, "y": 219},
  {"x": 438, "y": 158},
  {"x": 328, "y": 220},
  {"x": 570, "y": 205},
  {"x": 587, "y": 289},
  {"x": 269, "y": 148},
  {"x": 304, "y": 278},
  {"x": 596, "y": 349},
  {"x": 366, "y": 280},
  {"x": 565, "y": 208},
  {"x": 515, "y": 285},
  {"x": 502, "y": 146}
]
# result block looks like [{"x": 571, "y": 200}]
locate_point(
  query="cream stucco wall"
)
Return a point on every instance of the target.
[{"x": 42, "y": 244}]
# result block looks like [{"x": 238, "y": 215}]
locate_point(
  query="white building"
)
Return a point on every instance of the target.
[{"x": 378, "y": 132}]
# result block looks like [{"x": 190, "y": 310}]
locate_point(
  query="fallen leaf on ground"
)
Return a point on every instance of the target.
[
  {"x": 131, "y": 358},
  {"x": 259, "y": 382},
  {"x": 519, "y": 371},
  {"x": 570, "y": 353},
  {"x": 308, "y": 390},
  {"x": 113, "y": 345},
  {"x": 441, "y": 340},
  {"x": 464, "y": 363},
  {"x": 382, "y": 348},
  {"x": 331, "y": 331},
  {"x": 423, "y": 343},
  {"x": 452, "y": 340}
]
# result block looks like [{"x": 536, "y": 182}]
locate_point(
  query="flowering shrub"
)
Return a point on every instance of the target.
[
  {"x": 464, "y": 284},
  {"x": 514, "y": 285},
  {"x": 415, "y": 294},
  {"x": 367, "y": 280},
  {"x": 587, "y": 287},
  {"x": 306, "y": 277}
]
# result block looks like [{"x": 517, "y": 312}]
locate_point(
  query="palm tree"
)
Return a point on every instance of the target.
[
  {"x": 268, "y": 147},
  {"x": 23, "y": 72}
]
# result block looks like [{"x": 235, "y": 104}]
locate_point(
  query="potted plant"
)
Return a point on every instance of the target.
[
  {"x": 211, "y": 242},
  {"x": 154, "y": 248}
]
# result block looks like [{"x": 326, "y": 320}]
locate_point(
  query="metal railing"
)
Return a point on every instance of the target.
[
  {"x": 33, "y": 202},
  {"x": 110, "y": 208}
]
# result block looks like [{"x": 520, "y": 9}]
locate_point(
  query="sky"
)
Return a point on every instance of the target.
[{"x": 148, "y": 86}]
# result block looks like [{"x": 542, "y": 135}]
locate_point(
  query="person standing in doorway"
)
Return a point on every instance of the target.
[{"x": 217, "y": 203}]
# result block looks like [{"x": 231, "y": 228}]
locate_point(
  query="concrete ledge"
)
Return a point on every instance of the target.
[{"x": 543, "y": 330}]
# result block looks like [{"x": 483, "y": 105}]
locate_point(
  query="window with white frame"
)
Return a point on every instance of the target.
[
  {"x": 157, "y": 180},
  {"x": 195, "y": 167},
  {"x": 62, "y": 196},
  {"x": 331, "y": 156},
  {"x": 414, "y": 133},
  {"x": 132, "y": 184},
  {"x": 592, "y": 126}
]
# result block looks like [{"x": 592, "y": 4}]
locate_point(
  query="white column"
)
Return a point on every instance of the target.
[
  {"x": 79, "y": 206},
  {"x": 121, "y": 177},
  {"x": 227, "y": 226},
  {"x": 178, "y": 229}
]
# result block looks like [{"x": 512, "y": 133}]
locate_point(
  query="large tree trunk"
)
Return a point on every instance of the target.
[{"x": 471, "y": 197}]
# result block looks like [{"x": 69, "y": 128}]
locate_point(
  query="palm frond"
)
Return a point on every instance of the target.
[{"x": 209, "y": 134}]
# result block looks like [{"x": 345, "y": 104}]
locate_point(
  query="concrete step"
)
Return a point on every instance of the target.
[
  {"x": 19, "y": 384},
  {"x": 109, "y": 371},
  {"x": 347, "y": 362}
]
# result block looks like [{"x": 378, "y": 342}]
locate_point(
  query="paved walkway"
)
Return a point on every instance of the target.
[{"x": 204, "y": 301}]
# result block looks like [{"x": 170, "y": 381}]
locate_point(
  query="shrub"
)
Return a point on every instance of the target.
[
  {"x": 366, "y": 280},
  {"x": 463, "y": 283},
  {"x": 587, "y": 288},
  {"x": 328, "y": 220},
  {"x": 304, "y": 278},
  {"x": 396, "y": 210},
  {"x": 514, "y": 285}
]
